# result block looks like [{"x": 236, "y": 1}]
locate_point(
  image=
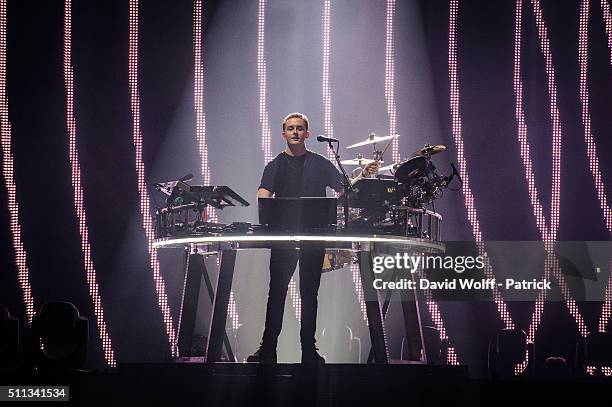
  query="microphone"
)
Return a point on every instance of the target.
[
  {"x": 323, "y": 139},
  {"x": 455, "y": 172}
]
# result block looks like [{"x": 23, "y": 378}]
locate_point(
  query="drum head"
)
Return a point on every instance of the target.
[{"x": 411, "y": 169}]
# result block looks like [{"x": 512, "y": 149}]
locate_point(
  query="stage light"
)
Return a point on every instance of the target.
[
  {"x": 59, "y": 337},
  {"x": 9, "y": 339},
  {"x": 555, "y": 367},
  {"x": 79, "y": 206},
  {"x": 598, "y": 352},
  {"x": 8, "y": 170},
  {"x": 145, "y": 209},
  {"x": 507, "y": 351}
]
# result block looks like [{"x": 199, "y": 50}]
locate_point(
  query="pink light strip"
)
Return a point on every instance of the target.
[
  {"x": 549, "y": 235},
  {"x": 262, "y": 79},
  {"x": 328, "y": 126},
  {"x": 606, "y": 308},
  {"x": 438, "y": 321},
  {"x": 472, "y": 214},
  {"x": 583, "y": 51},
  {"x": 78, "y": 189},
  {"x": 8, "y": 168},
  {"x": 607, "y": 16},
  {"x": 390, "y": 79},
  {"x": 142, "y": 188},
  {"x": 200, "y": 113}
]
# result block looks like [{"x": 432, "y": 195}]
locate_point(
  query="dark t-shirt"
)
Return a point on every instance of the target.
[{"x": 305, "y": 176}]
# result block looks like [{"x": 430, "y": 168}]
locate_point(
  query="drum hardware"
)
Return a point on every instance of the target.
[
  {"x": 359, "y": 160},
  {"x": 428, "y": 150}
]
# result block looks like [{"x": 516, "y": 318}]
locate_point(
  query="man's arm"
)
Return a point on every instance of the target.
[{"x": 263, "y": 193}]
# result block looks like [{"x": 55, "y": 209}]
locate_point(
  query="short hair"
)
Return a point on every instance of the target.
[{"x": 297, "y": 115}]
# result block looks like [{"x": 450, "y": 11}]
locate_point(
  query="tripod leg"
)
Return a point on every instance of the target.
[
  {"x": 375, "y": 320},
  {"x": 217, "y": 332}
]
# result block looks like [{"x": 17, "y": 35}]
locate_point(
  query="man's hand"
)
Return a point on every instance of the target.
[
  {"x": 371, "y": 168},
  {"x": 263, "y": 193}
]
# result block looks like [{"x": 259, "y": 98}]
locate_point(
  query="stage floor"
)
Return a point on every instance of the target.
[{"x": 237, "y": 384}]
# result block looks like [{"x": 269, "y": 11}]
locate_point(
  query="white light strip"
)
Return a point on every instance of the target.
[
  {"x": 262, "y": 80},
  {"x": 294, "y": 295},
  {"x": 356, "y": 275},
  {"x": 390, "y": 79},
  {"x": 200, "y": 112},
  {"x": 328, "y": 126},
  {"x": 79, "y": 207},
  {"x": 404, "y": 242},
  {"x": 198, "y": 97},
  {"x": 607, "y": 16},
  {"x": 142, "y": 187},
  {"x": 8, "y": 168}
]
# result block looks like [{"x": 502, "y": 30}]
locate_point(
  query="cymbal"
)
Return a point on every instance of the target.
[
  {"x": 388, "y": 167},
  {"x": 357, "y": 161},
  {"x": 411, "y": 169},
  {"x": 429, "y": 150},
  {"x": 372, "y": 138}
]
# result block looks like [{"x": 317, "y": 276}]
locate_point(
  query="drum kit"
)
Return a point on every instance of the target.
[{"x": 395, "y": 204}]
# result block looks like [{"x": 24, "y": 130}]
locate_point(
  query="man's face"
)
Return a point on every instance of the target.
[{"x": 295, "y": 131}]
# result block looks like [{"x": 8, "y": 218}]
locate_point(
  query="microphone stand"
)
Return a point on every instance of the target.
[{"x": 348, "y": 187}]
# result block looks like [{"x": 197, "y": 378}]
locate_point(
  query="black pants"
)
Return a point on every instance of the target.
[{"x": 282, "y": 267}]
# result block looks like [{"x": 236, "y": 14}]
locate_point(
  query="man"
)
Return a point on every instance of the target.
[{"x": 296, "y": 172}]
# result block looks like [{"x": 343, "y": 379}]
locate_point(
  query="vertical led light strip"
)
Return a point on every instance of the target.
[
  {"x": 458, "y": 139},
  {"x": 586, "y": 115},
  {"x": 328, "y": 126},
  {"x": 524, "y": 146},
  {"x": 606, "y": 311},
  {"x": 549, "y": 234},
  {"x": 262, "y": 79},
  {"x": 23, "y": 274},
  {"x": 437, "y": 319},
  {"x": 607, "y": 16},
  {"x": 142, "y": 188},
  {"x": 390, "y": 79},
  {"x": 78, "y": 189},
  {"x": 456, "y": 123},
  {"x": 200, "y": 112},
  {"x": 583, "y": 52}
]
